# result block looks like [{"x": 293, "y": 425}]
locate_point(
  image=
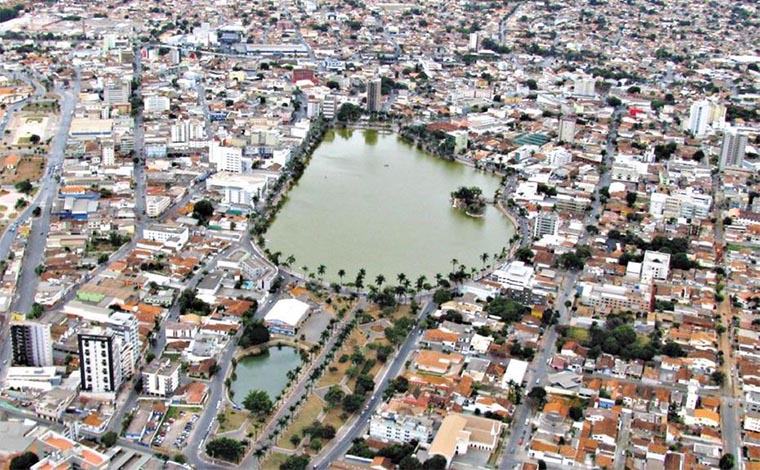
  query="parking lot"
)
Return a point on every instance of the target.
[{"x": 176, "y": 428}]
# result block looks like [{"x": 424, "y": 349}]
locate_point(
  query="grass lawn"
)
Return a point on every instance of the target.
[
  {"x": 234, "y": 419},
  {"x": 174, "y": 411},
  {"x": 304, "y": 417},
  {"x": 274, "y": 461},
  {"x": 333, "y": 418},
  {"x": 578, "y": 334},
  {"x": 334, "y": 378}
]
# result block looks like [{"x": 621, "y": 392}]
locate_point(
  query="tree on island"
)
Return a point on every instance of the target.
[
  {"x": 470, "y": 199},
  {"x": 225, "y": 448}
]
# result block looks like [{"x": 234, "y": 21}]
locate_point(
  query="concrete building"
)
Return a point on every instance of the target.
[
  {"x": 699, "y": 118},
  {"x": 225, "y": 158},
  {"x": 157, "y": 104},
  {"x": 156, "y": 205},
  {"x": 170, "y": 235},
  {"x": 286, "y": 316},
  {"x": 374, "y": 95},
  {"x": 656, "y": 265},
  {"x": 116, "y": 91},
  {"x": 161, "y": 378},
  {"x": 99, "y": 361},
  {"x": 566, "y": 129},
  {"x": 733, "y": 149},
  {"x": 126, "y": 327},
  {"x": 459, "y": 433},
  {"x": 611, "y": 298},
  {"x": 330, "y": 106},
  {"x": 31, "y": 344},
  {"x": 242, "y": 189},
  {"x": 584, "y": 86},
  {"x": 395, "y": 423},
  {"x": 547, "y": 223}
]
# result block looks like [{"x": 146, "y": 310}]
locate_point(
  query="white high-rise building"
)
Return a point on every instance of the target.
[
  {"x": 157, "y": 104},
  {"x": 733, "y": 149},
  {"x": 125, "y": 326},
  {"x": 225, "y": 158},
  {"x": 700, "y": 115},
  {"x": 99, "y": 361},
  {"x": 161, "y": 378},
  {"x": 107, "y": 154},
  {"x": 31, "y": 343},
  {"x": 474, "y": 44},
  {"x": 330, "y": 106},
  {"x": 116, "y": 91},
  {"x": 567, "y": 129},
  {"x": 584, "y": 86}
]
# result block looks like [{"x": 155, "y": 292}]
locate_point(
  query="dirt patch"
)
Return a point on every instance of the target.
[{"x": 304, "y": 417}]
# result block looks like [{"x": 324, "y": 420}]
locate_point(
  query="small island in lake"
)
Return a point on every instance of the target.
[{"x": 470, "y": 199}]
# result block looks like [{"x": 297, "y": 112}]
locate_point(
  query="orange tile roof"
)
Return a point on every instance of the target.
[{"x": 59, "y": 443}]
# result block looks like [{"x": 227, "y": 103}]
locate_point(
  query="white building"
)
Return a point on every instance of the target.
[
  {"x": 156, "y": 205},
  {"x": 546, "y": 223},
  {"x": 161, "y": 378},
  {"x": 656, "y": 265},
  {"x": 156, "y": 104},
  {"x": 567, "y": 130},
  {"x": 584, "y": 86},
  {"x": 515, "y": 373},
  {"x": 330, "y": 105},
  {"x": 31, "y": 344},
  {"x": 116, "y": 91},
  {"x": 33, "y": 378},
  {"x": 392, "y": 424},
  {"x": 699, "y": 118},
  {"x": 239, "y": 188},
  {"x": 170, "y": 235},
  {"x": 99, "y": 361},
  {"x": 108, "y": 156},
  {"x": 286, "y": 316},
  {"x": 125, "y": 326},
  {"x": 225, "y": 158}
]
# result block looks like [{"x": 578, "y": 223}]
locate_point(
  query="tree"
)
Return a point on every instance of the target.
[
  {"x": 576, "y": 413},
  {"x": 441, "y": 296},
  {"x": 334, "y": 395},
  {"x": 254, "y": 333},
  {"x": 24, "y": 461},
  {"x": 531, "y": 84},
  {"x": 20, "y": 203},
  {"x": 37, "y": 211},
  {"x": 258, "y": 402},
  {"x": 352, "y": 403},
  {"x": 537, "y": 393},
  {"x": 109, "y": 439},
  {"x": 410, "y": 463},
  {"x": 37, "y": 310},
  {"x": 630, "y": 198},
  {"x": 25, "y": 187},
  {"x": 541, "y": 465},
  {"x": 525, "y": 254},
  {"x": 349, "y": 112},
  {"x": 341, "y": 274},
  {"x": 727, "y": 462},
  {"x": 436, "y": 462},
  {"x": 614, "y": 101},
  {"x": 225, "y": 448},
  {"x": 718, "y": 377},
  {"x": 203, "y": 210},
  {"x": 295, "y": 462},
  {"x": 179, "y": 458}
]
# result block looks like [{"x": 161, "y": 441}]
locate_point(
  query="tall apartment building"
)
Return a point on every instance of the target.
[
  {"x": 584, "y": 86},
  {"x": 330, "y": 106},
  {"x": 31, "y": 344},
  {"x": 393, "y": 422},
  {"x": 116, "y": 91},
  {"x": 547, "y": 223},
  {"x": 99, "y": 361},
  {"x": 656, "y": 265},
  {"x": 225, "y": 158},
  {"x": 374, "y": 95},
  {"x": 125, "y": 326},
  {"x": 567, "y": 129},
  {"x": 699, "y": 118},
  {"x": 733, "y": 149}
]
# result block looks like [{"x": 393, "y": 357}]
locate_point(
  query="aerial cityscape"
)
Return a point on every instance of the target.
[{"x": 367, "y": 234}]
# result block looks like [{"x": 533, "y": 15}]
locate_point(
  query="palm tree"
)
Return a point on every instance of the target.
[
  {"x": 454, "y": 263},
  {"x": 379, "y": 280},
  {"x": 420, "y": 283},
  {"x": 305, "y": 270},
  {"x": 259, "y": 453},
  {"x": 341, "y": 273},
  {"x": 401, "y": 278},
  {"x": 321, "y": 271},
  {"x": 290, "y": 260},
  {"x": 484, "y": 258},
  {"x": 438, "y": 278}
]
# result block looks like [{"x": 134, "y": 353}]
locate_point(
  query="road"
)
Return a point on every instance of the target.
[{"x": 343, "y": 441}]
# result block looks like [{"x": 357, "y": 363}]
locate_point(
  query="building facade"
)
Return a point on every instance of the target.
[
  {"x": 31, "y": 343},
  {"x": 99, "y": 361}
]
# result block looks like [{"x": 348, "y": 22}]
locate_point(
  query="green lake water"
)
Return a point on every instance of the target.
[{"x": 266, "y": 372}]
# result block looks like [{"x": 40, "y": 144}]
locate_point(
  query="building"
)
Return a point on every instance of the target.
[
  {"x": 286, "y": 316},
  {"x": 126, "y": 327},
  {"x": 116, "y": 91},
  {"x": 170, "y": 235},
  {"x": 459, "y": 433},
  {"x": 584, "y": 86},
  {"x": 330, "y": 106},
  {"x": 656, "y": 265},
  {"x": 611, "y": 298},
  {"x": 240, "y": 189},
  {"x": 474, "y": 41},
  {"x": 394, "y": 422},
  {"x": 31, "y": 344},
  {"x": 374, "y": 95},
  {"x": 161, "y": 378},
  {"x": 157, "y": 103},
  {"x": 699, "y": 118},
  {"x": 108, "y": 156},
  {"x": 733, "y": 149},
  {"x": 33, "y": 378},
  {"x": 547, "y": 223},
  {"x": 225, "y": 158},
  {"x": 567, "y": 129},
  {"x": 59, "y": 452},
  {"x": 99, "y": 361},
  {"x": 156, "y": 205}
]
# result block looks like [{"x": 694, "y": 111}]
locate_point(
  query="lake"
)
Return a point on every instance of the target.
[{"x": 267, "y": 371}]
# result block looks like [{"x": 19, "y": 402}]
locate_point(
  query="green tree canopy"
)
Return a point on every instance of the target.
[{"x": 258, "y": 402}]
